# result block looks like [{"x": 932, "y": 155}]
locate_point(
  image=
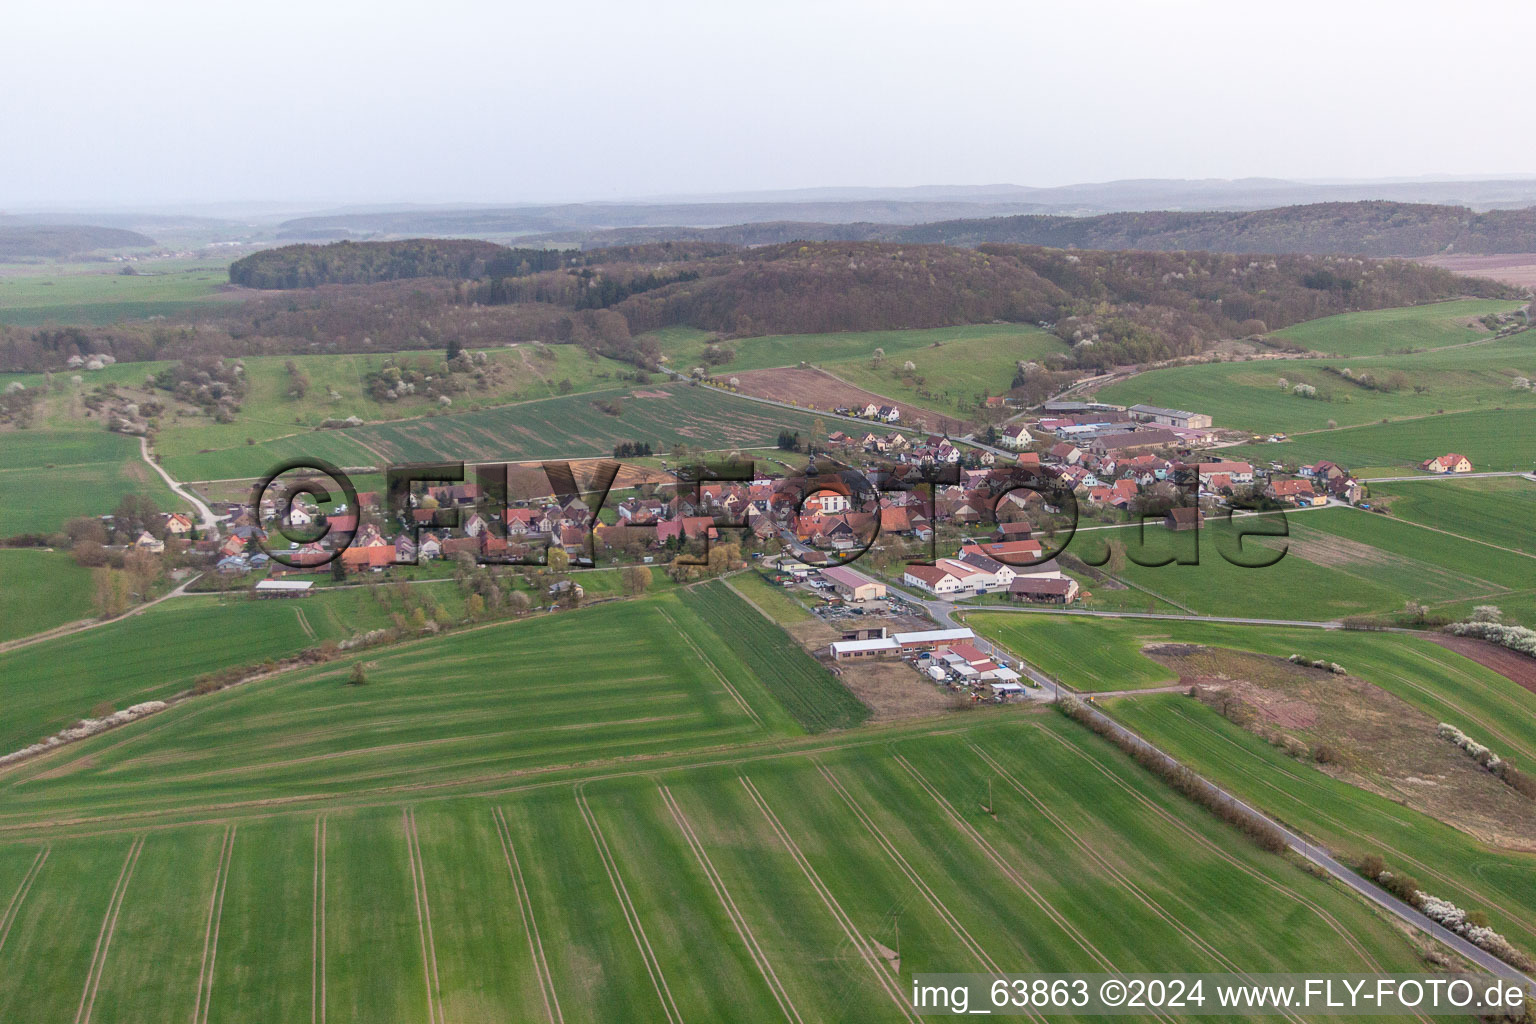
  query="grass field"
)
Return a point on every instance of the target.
[
  {"x": 777, "y": 602},
  {"x": 98, "y": 294},
  {"x": 1435, "y": 383},
  {"x": 1338, "y": 562},
  {"x": 757, "y": 889},
  {"x": 1500, "y": 510},
  {"x": 40, "y": 590},
  {"x": 1496, "y": 441},
  {"x": 50, "y": 476},
  {"x": 1354, "y": 823},
  {"x": 1381, "y": 331},
  {"x": 955, "y": 366},
  {"x": 569, "y": 426}
]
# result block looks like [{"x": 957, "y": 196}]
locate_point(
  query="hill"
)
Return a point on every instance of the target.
[{"x": 25, "y": 242}]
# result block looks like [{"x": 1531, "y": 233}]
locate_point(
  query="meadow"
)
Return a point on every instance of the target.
[
  {"x": 1383, "y": 331},
  {"x": 48, "y": 476},
  {"x": 803, "y": 884},
  {"x": 569, "y": 426},
  {"x": 954, "y": 366},
  {"x": 1337, "y": 562},
  {"x": 1246, "y": 395},
  {"x": 40, "y": 590},
  {"x": 96, "y": 293},
  {"x": 1497, "y": 440},
  {"x": 1499, "y": 510}
]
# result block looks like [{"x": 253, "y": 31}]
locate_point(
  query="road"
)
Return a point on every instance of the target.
[
  {"x": 943, "y": 612},
  {"x": 210, "y": 523}
]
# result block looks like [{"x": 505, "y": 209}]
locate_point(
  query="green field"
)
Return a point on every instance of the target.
[
  {"x": 756, "y": 890},
  {"x": 570, "y": 426},
  {"x": 1496, "y": 441},
  {"x": 774, "y": 600},
  {"x": 1500, "y": 510},
  {"x": 1380, "y": 331},
  {"x": 1353, "y": 822},
  {"x": 48, "y": 476},
  {"x": 1338, "y": 562},
  {"x": 1246, "y": 395},
  {"x": 1085, "y": 653},
  {"x": 98, "y": 294},
  {"x": 40, "y": 590},
  {"x": 954, "y": 366}
]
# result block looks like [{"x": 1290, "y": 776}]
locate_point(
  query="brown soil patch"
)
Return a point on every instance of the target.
[
  {"x": 815, "y": 388},
  {"x": 1358, "y": 733},
  {"x": 1517, "y": 668},
  {"x": 1517, "y": 268}
]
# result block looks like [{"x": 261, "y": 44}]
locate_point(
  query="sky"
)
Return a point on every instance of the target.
[{"x": 183, "y": 103}]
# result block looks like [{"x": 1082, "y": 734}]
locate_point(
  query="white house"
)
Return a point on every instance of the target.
[{"x": 1015, "y": 436}]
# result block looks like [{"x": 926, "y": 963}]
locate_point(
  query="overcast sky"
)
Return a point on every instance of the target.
[{"x": 457, "y": 100}]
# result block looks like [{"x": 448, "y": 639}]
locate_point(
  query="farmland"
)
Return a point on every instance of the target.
[
  {"x": 568, "y": 426},
  {"x": 56, "y": 591},
  {"x": 953, "y": 367},
  {"x": 47, "y": 477},
  {"x": 766, "y": 887},
  {"x": 1437, "y": 383},
  {"x": 1500, "y": 510},
  {"x": 98, "y": 294},
  {"x": 1338, "y": 562},
  {"x": 1411, "y": 328},
  {"x": 1353, "y": 822},
  {"x": 1495, "y": 440}
]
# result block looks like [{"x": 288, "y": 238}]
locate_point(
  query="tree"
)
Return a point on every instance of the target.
[
  {"x": 636, "y": 578},
  {"x": 455, "y": 346},
  {"x": 558, "y": 560},
  {"x": 474, "y": 606},
  {"x": 109, "y": 592},
  {"x": 518, "y": 603},
  {"x": 1487, "y": 613},
  {"x": 359, "y": 676},
  {"x": 418, "y": 618},
  {"x": 1415, "y": 611},
  {"x": 338, "y": 569}
]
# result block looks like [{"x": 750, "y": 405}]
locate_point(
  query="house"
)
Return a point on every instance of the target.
[
  {"x": 1184, "y": 518},
  {"x": 1297, "y": 491},
  {"x": 1450, "y": 463},
  {"x": 1012, "y": 531},
  {"x": 362, "y": 559},
  {"x": 946, "y": 577},
  {"x": 149, "y": 542},
  {"x": 1169, "y": 417},
  {"x": 888, "y": 413},
  {"x": 1015, "y": 436},
  {"x": 178, "y": 525},
  {"x": 853, "y": 586},
  {"x": 1237, "y": 473},
  {"x": 1065, "y": 452}
]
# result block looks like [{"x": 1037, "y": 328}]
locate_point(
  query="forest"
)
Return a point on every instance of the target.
[{"x": 1113, "y": 308}]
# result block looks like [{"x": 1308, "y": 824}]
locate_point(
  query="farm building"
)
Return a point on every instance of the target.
[
  {"x": 1169, "y": 417},
  {"x": 283, "y": 588},
  {"x": 853, "y": 586},
  {"x": 877, "y": 647},
  {"x": 1235, "y": 472},
  {"x": 1044, "y": 589},
  {"x": 1298, "y": 492},
  {"x": 1184, "y": 518},
  {"x": 1110, "y": 444},
  {"x": 932, "y": 639}
]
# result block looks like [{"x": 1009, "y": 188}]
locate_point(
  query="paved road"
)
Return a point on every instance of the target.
[
  {"x": 1446, "y": 476},
  {"x": 1050, "y": 688},
  {"x": 210, "y": 523}
]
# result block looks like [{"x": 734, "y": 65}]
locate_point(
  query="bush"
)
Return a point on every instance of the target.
[{"x": 359, "y": 676}]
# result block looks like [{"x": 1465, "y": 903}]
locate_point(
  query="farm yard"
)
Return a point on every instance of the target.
[{"x": 801, "y": 884}]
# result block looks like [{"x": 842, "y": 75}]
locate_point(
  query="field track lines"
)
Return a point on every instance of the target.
[
  {"x": 13, "y": 908},
  {"x": 423, "y": 917},
  {"x": 631, "y": 915},
  {"x": 750, "y": 711},
  {"x": 104, "y": 937},
  {"x": 1377, "y": 840},
  {"x": 1002, "y": 865},
  {"x": 1125, "y": 882},
  {"x": 896, "y": 858},
  {"x": 759, "y": 957},
  {"x": 876, "y": 965},
  {"x": 317, "y": 930},
  {"x": 1328, "y": 918},
  {"x": 530, "y": 926},
  {"x": 211, "y": 929},
  {"x": 309, "y": 630}
]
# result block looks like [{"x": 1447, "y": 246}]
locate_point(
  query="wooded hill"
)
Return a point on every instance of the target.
[
  {"x": 1114, "y": 308},
  {"x": 1360, "y": 229},
  {"x": 24, "y": 242}
]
